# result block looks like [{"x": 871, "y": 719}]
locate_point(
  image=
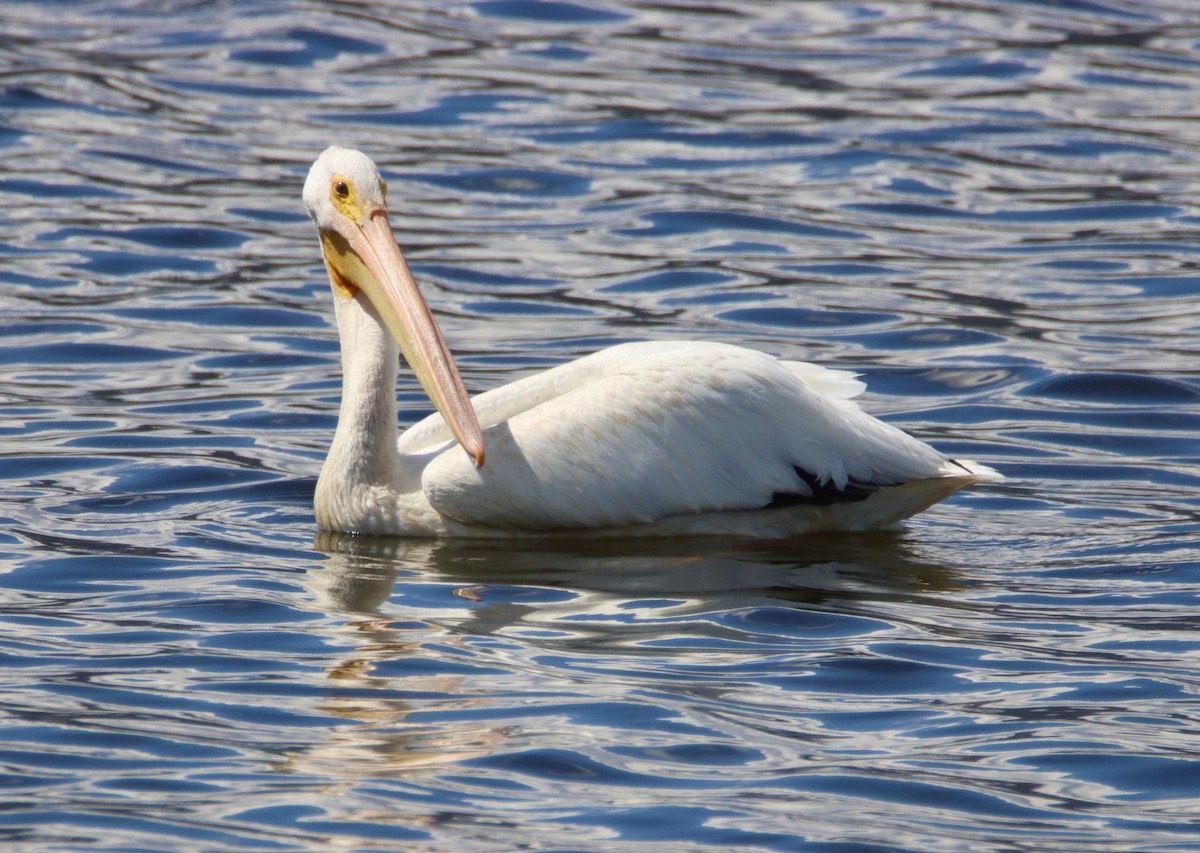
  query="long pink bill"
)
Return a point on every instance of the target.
[{"x": 407, "y": 316}]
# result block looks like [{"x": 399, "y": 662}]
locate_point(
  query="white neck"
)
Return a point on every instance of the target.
[{"x": 363, "y": 462}]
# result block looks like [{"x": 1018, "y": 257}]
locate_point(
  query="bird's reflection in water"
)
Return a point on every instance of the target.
[
  {"x": 376, "y": 694},
  {"x": 360, "y": 571},
  {"x": 408, "y": 705}
]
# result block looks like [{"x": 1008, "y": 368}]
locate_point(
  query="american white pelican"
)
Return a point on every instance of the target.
[{"x": 635, "y": 440}]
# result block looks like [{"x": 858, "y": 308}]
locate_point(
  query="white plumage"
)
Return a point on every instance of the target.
[{"x": 639, "y": 439}]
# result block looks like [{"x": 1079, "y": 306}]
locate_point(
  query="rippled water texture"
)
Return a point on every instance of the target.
[{"x": 985, "y": 208}]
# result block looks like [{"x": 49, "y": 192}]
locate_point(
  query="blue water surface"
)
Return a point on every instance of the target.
[{"x": 984, "y": 208}]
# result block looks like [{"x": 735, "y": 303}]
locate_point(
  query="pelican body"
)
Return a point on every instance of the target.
[{"x": 640, "y": 439}]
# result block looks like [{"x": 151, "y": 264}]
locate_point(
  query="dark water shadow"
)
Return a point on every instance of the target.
[
  {"x": 416, "y": 693},
  {"x": 360, "y": 571}
]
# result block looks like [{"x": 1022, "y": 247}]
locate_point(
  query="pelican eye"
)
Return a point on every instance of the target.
[{"x": 340, "y": 188}]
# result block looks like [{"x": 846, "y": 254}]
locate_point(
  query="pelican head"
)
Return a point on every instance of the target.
[{"x": 347, "y": 200}]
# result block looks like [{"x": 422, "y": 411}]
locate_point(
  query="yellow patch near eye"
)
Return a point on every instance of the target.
[{"x": 345, "y": 198}]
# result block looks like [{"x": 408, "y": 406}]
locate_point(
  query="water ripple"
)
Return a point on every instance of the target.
[{"x": 985, "y": 209}]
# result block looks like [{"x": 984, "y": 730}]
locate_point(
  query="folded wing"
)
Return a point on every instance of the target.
[{"x": 643, "y": 432}]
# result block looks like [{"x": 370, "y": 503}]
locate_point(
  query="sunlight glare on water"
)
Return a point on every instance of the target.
[{"x": 984, "y": 208}]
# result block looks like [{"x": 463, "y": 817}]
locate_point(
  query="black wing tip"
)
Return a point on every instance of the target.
[
  {"x": 824, "y": 493},
  {"x": 960, "y": 465}
]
